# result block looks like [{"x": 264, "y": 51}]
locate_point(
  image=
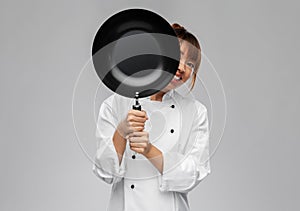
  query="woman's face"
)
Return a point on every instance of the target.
[{"x": 185, "y": 68}]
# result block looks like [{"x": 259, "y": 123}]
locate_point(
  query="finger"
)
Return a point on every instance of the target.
[
  {"x": 138, "y": 113},
  {"x": 136, "y": 124},
  {"x": 135, "y": 139},
  {"x": 131, "y": 129},
  {"x": 138, "y": 134},
  {"x": 145, "y": 114},
  {"x": 138, "y": 139},
  {"x": 136, "y": 149},
  {"x": 138, "y": 144},
  {"x": 132, "y": 118},
  {"x": 135, "y": 129}
]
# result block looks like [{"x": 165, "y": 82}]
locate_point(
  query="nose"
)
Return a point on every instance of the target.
[{"x": 181, "y": 67}]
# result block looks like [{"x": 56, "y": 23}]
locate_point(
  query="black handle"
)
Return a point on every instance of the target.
[{"x": 137, "y": 105}]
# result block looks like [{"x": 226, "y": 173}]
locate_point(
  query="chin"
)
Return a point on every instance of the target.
[{"x": 171, "y": 86}]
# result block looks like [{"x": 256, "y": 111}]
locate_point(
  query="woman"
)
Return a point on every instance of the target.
[{"x": 154, "y": 157}]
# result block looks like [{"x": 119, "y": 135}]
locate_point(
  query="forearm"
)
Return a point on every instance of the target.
[
  {"x": 119, "y": 144},
  {"x": 155, "y": 156}
]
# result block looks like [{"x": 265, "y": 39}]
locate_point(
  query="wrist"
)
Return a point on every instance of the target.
[
  {"x": 148, "y": 151},
  {"x": 118, "y": 136},
  {"x": 121, "y": 130}
]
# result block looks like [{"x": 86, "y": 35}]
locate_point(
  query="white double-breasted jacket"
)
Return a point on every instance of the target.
[{"x": 178, "y": 127}]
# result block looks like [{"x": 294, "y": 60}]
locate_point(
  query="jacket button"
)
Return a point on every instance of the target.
[
  {"x": 172, "y": 106},
  {"x": 132, "y": 186},
  {"x": 133, "y": 156},
  {"x": 172, "y": 131}
]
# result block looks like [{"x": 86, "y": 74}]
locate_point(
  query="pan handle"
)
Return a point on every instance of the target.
[{"x": 137, "y": 105}]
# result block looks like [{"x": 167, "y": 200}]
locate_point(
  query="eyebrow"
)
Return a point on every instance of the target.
[{"x": 189, "y": 59}]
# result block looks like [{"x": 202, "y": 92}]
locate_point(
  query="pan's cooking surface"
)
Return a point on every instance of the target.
[
  {"x": 136, "y": 50},
  {"x": 137, "y": 64}
]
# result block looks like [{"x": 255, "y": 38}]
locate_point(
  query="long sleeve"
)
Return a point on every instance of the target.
[
  {"x": 184, "y": 171},
  {"x": 106, "y": 165}
]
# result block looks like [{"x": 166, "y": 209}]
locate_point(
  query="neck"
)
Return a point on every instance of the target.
[{"x": 157, "y": 96}]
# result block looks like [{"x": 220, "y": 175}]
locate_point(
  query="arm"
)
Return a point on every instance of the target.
[
  {"x": 119, "y": 144},
  {"x": 155, "y": 156},
  {"x": 184, "y": 171},
  {"x": 108, "y": 166},
  {"x": 134, "y": 122},
  {"x": 111, "y": 143},
  {"x": 139, "y": 142},
  {"x": 180, "y": 172}
]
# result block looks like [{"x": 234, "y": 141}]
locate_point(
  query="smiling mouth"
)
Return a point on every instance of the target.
[{"x": 176, "y": 78}]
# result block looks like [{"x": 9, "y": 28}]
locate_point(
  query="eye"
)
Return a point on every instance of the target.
[{"x": 190, "y": 65}]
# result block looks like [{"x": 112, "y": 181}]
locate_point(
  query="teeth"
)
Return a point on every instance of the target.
[{"x": 177, "y": 78}]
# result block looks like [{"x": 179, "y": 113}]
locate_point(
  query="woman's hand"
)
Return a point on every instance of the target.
[
  {"x": 134, "y": 122},
  {"x": 139, "y": 142}
]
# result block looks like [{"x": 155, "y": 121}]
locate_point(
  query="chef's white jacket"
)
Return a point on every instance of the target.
[{"x": 178, "y": 127}]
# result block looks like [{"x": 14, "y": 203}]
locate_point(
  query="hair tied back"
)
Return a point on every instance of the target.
[{"x": 178, "y": 27}]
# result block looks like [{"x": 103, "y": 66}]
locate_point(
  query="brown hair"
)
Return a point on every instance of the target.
[{"x": 194, "y": 53}]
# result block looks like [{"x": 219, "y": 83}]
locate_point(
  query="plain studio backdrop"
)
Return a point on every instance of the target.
[{"x": 254, "y": 46}]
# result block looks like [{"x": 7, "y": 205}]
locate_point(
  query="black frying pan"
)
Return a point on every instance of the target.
[{"x": 136, "y": 51}]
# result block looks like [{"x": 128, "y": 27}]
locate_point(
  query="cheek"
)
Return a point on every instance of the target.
[{"x": 185, "y": 78}]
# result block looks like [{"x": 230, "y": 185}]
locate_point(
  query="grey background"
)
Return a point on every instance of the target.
[{"x": 254, "y": 46}]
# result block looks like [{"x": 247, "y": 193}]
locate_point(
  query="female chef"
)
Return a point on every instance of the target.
[{"x": 154, "y": 157}]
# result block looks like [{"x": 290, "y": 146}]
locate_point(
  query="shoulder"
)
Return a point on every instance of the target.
[
  {"x": 200, "y": 107},
  {"x": 191, "y": 103},
  {"x": 116, "y": 100},
  {"x": 116, "y": 105}
]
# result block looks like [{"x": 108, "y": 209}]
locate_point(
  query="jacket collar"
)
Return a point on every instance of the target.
[{"x": 167, "y": 96}]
